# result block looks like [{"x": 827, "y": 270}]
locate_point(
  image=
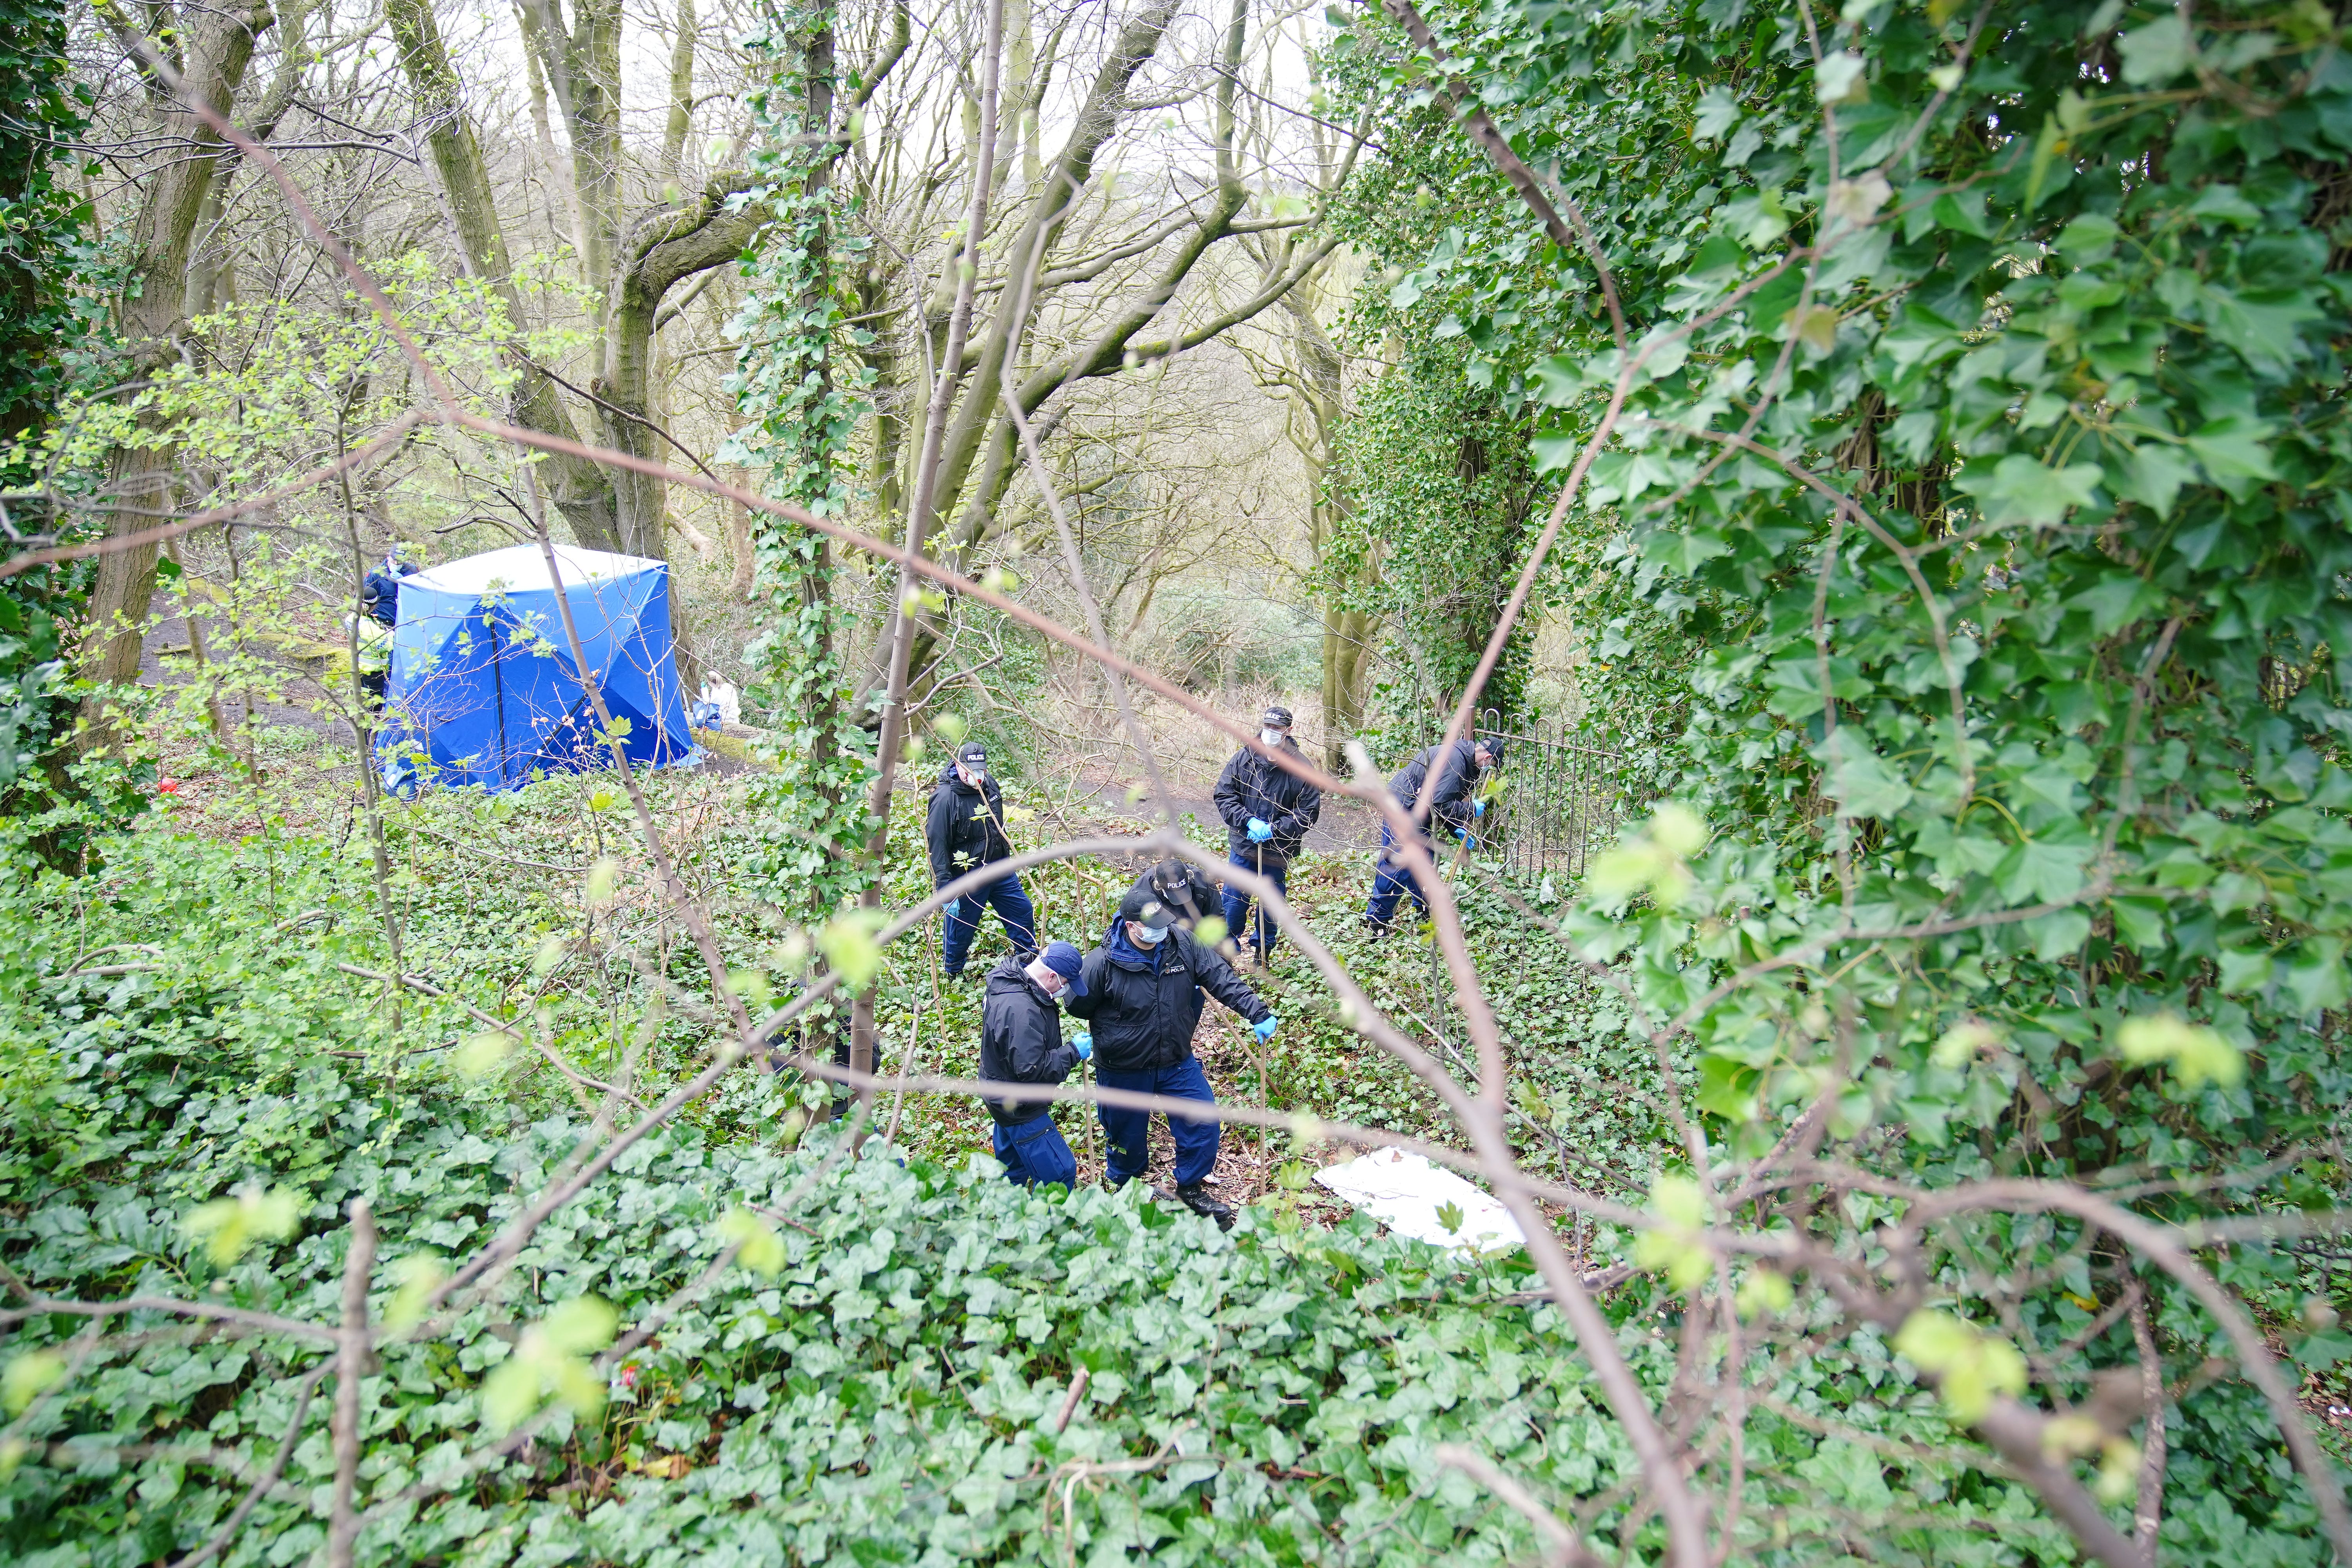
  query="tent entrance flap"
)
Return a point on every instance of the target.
[{"x": 484, "y": 687}]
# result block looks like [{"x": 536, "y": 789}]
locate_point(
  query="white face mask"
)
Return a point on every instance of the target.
[
  {"x": 1271, "y": 737},
  {"x": 1143, "y": 935}
]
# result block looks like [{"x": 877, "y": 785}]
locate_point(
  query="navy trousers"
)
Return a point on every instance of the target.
[
  {"x": 1237, "y": 905},
  {"x": 1012, "y": 906},
  {"x": 1128, "y": 1133},
  {"x": 1391, "y": 882},
  {"x": 1034, "y": 1153}
]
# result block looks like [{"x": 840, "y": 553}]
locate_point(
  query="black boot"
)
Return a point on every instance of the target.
[{"x": 1196, "y": 1198}]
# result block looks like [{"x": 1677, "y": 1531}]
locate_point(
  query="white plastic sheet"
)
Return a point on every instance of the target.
[{"x": 1404, "y": 1192}]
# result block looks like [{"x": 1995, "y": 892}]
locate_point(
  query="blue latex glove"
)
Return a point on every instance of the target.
[
  {"x": 1264, "y": 1027},
  {"x": 953, "y": 904},
  {"x": 1085, "y": 1046},
  {"x": 1467, "y": 842},
  {"x": 1260, "y": 830},
  {"x": 1477, "y": 808}
]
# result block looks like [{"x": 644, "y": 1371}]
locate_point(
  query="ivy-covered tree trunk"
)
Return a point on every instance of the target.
[
  {"x": 812, "y": 805},
  {"x": 41, "y": 327},
  {"x": 1440, "y": 492}
]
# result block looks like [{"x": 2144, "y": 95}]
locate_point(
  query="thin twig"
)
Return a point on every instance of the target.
[
  {"x": 1561, "y": 1547},
  {"x": 350, "y": 1371}
]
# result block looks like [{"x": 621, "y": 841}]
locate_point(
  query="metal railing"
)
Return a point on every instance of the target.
[{"x": 1562, "y": 800}]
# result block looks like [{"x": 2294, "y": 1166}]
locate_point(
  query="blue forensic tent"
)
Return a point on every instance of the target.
[{"x": 483, "y": 686}]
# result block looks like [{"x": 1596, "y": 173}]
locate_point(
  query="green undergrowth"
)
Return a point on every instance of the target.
[
  {"x": 1586, "y": 1083},
  {"x": 888, "y": 1393}
]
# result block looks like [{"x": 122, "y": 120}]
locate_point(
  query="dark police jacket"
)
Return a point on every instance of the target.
[
  {"x": 1144, "y": 1004},
  {"x": 1020, "y": 1040},
  {"x": 1252, "y": 785},
  {"x": 966, "y": 826},
  {"x": 380, "y": 594},
  {"x": 1449, "y": 801}
]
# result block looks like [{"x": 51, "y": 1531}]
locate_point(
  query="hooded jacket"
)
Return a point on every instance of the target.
[
  {"x": 1020, "y": 1040},
  {"x": 966, "y": 826},
  {"x": 1449, "y": 798},
  {"x": 1252, "y": 785},
  {"x": 1145, "y": 1004},
  {"x": 380, "y": 594}
]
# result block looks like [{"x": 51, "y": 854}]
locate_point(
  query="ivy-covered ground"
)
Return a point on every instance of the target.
[{"x": 174, "y": 1029}]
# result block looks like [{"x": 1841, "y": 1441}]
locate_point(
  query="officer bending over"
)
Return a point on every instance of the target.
[
  {"x": 1020, "y": 1042},
  {"x": 1184, "y": 887},
  {"x": 1452, "y": 808}
]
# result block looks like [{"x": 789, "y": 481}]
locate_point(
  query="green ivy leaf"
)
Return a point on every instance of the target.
[
  {"x": 1859, "y": 779},
  {"x": 2156, "y": 53},
  {"x": 2153, "y": 475},
  {"x": 1717, "y": 114},
  {"x": 2019, "y": 489}
]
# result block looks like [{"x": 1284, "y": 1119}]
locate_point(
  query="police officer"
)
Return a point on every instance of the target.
[
  {"x": 966, "y": 830},
  {"x": 380, "y": 613},
  {"x": 1267, "y": 811},
  {"x": 1184, "y": 887},
  {"x": 1451, "y": 809},
  {"x": 1020, "y": 1042},
  {"x": 380, "y": 589},
  {"x": 1142, "y": 994}
]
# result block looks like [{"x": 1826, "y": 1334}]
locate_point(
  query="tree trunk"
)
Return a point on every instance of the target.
[
  {"x": 204, "y": 253},
  {"x": 583, "y": 67},
  {"x": 218, "y": 47},
  {"x": 1347, "y": 648},
  {"x": 662, "y": 247},
  {"x": 886, "y": 460},
  {"x": 639, "y": 499},
  {"x": 579, "y": 487},
  {"x": 1347, "y": 634},
  {"x": 740, "y": 551},
  {"x": 981, "y": 405},
  {"x": 681, "y": 98},
  {"x": 549, "y": 168}
]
